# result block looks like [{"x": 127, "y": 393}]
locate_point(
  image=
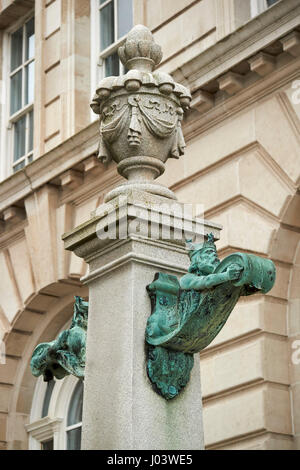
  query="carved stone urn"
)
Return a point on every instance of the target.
[{"x": 140, "y": 116}]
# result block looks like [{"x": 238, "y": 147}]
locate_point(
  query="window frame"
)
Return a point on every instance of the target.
[
  {"x": 98, "y": 57},
  {"x": 112, "y": 48},
  {"x": 7, "y": 163},
  {"x": 54, "y": 425},
  {"x": 78, "y": 424},
  {"x": 258, "y": 6},
  {"x": 26, "y": 109}
]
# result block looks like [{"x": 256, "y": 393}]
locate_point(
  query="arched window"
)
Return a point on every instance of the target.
[
  {"x": 47, "y": 397},
  {"x": 56, "y": 417},
  {"x": 74, "y": 419}
]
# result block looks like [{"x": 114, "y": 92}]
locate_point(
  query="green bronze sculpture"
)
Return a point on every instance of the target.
[
  {"x": 66, "y": 354},
  {"x": 188, "y": 314}
]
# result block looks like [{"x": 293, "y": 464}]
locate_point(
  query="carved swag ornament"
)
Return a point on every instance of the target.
[{"x": 135, "y": 113}]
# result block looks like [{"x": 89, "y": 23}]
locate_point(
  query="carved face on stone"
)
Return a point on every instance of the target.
[{"x": 207, "y": 260}]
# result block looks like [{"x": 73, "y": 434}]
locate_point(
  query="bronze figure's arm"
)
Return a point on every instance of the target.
[{"x": 196, "y": 282}]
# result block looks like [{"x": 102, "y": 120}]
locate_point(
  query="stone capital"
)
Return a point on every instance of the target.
[{"x": 137, "y": 220}]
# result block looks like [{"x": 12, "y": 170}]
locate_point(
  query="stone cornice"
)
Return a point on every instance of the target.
[
  {"x": 257, "y": 59},
  {"x": 200, "y": 119},
  {"x": 50, "y": 166},
  {"x": 247, "y": 40},
  {"x": 14, "y": 10}
]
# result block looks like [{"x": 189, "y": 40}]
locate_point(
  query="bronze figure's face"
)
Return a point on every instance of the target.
[{"x": 207, "y": 260}]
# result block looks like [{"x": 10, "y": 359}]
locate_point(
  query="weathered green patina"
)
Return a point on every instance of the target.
[
  {"x": 66, "y": 354},
  {"x": 188, "y": 314}
]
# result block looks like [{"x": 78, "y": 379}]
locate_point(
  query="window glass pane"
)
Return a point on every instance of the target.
[
  {"x": 107, "y": 29},
  {"x": 19, "y": 166},
  {"x": 16, "y": 49},
  {"x": 48, "y": 394},
  {"x": 75, "y": 408},
  {"x": 30, "y": 39},
  {"x": 16, "y": 92},
  {"x": 124, "y": 17},
  {"x": 47, "y": 445},
  {"x": 74, "y": 439},
  {"x": 29, "y": 83},
  {"x": 271, "y": 2},
  {"x": 112, "y": 65},
  {"x": 30, "y": 147},
  {"x": 103, "y": 1},
  {"x": 19, "y": 138}
]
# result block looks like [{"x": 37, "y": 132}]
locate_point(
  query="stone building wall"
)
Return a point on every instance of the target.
[{"x": 241, "y": 162}]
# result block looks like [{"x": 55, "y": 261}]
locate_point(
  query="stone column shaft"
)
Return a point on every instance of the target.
[{"x": 121, "y": 410}]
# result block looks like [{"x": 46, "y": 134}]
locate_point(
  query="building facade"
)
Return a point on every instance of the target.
[{"x": 241, "y": 61}]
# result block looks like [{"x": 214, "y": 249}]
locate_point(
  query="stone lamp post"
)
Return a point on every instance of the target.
[{"x": 135, "y": 342}]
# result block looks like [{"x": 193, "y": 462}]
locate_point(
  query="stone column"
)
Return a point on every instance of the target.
[
  {"x": 121, "y": 409},
  {"x": 140, "y": 128}
]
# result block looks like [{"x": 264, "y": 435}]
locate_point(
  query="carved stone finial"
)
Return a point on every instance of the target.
[
  {"x": 140, "y": 117},
  {"x": 140, "y": 52}
]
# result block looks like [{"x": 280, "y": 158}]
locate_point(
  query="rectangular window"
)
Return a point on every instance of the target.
[
  {"x": 21, "y": 90},
  {"x": 258, "y": 6},
  {"x": 47, "y": 445},
  {"x": 115, "y": 21},
  {"x": 271, "y": 2}
]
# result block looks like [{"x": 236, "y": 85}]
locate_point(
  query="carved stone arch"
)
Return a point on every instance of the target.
[
  {"x": 284, "y": 248},
  {"x": 284, "y": 240},
  {"x": 270, "y": 320},
  {"x": 294, "y": 339},
  {"x": 31, "y": 327}
]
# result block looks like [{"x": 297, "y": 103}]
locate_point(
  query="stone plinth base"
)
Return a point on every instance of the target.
[{"x": 121, "y": 410}]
